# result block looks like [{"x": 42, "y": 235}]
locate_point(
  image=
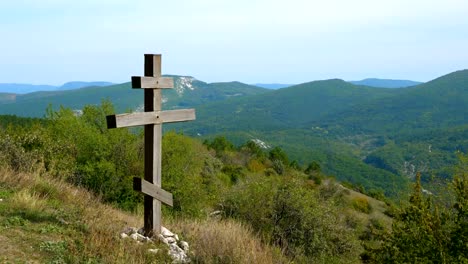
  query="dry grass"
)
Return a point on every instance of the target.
[
  {"x": 49, "y": 220},
  {"x": 89, "y": 228},
  {"x": 226, "y": 241}
]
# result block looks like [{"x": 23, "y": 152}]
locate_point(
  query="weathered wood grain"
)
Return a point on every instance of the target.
[
  {"x": 152, "y": 82},
  {"x": 146, "y": 118},
  {"x": 153, "y": 137}
]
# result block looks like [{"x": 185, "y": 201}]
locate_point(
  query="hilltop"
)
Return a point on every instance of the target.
[
  {"x": 49, "y": 209},
  {"x": 386, "y": 83}
]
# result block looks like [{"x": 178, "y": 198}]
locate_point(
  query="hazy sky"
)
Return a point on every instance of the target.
[{"x": 287, "y": 41}]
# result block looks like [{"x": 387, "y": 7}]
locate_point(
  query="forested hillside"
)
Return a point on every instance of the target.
[
  {"x": 187, "y": 92},
  {"x": 374, "y": 137},
  {"x": 305, "y": 215},
  {"x": 276, "y": 211}
]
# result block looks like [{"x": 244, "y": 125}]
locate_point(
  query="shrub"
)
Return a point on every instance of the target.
[
  {"x": 361, "y": 204},
  {"x": 255, "y": 165},
  {"x": 292, "y": 217}
]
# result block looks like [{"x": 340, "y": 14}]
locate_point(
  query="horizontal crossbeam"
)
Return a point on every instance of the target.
[
  {"x": 152, "y": 190},
  {"x": 152, "y": 82},
  {"x": 147, "y": 118}
]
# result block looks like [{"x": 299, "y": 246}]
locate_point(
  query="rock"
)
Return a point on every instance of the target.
[
  {"x": 130, "y": 230},
  {"x": 1, "y": 200},
  {"x": 178, "y": 255},
  {"x": 141, "y": 231},
  {"x": 171, "y": 240},
  {"x": 134, "y": 236},
  {"x": 163, "y": 239},
  {"x": 185, "y": 246},
  {"x": 153, "y": 250},
  {"x": 215, "y": 213},
  {"x": 165, "y": 232},
  {"x": 139, "y": 238}
]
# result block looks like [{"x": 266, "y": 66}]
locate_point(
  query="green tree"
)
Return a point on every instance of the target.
[
  {"x": 459, "y": 235},
  {"x": 420, "y": 233},
  {"x": 220, "y": 144}
]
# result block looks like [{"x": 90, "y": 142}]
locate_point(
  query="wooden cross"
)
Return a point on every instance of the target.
[{"x": 152, "y": 119}]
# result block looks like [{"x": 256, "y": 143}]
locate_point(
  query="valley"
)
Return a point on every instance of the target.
[{"x": 377, "y": 138}]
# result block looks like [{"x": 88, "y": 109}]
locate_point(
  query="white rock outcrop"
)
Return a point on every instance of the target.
[{"x": 178, "y": 250}]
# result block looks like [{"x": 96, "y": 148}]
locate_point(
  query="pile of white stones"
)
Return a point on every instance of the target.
[{"x": 178, "y": 250}]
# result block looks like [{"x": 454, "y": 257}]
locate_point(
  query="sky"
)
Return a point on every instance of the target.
[{"x": 252, "y": 41}]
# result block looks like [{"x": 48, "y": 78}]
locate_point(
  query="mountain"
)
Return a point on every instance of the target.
[
  {"x": 285, "y": 108},
  {"x": 371, "y": 136},
  {"x": 386, "y": 83},
  {"x": 439, "y": 103},
  {"x": 273, "y": 85},
  {"x": 77, "y": 85},
  {"x": 188, "y": 92},
  {"x": 19, "y": 88},
  {"x": 376, "y": 137},
  {"x": 7, "y": 97}
]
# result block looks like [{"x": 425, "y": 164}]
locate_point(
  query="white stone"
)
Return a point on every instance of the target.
[
  {"x": 1, "y": 200},
  {"x": 153, "y": 250},
  {"x": 134, "y": 236},
  {"x": 185, "y": 246},
  {"x": 171, "y": 240},
  {"x": 165, "y": 232},
  {"x": 123, "y": 235},
  {"x": 163, "y": 239},
  {"x": 215, "y": 213},
  {"x": 176, "y": 237},
  {"x": 178, "y": 255},
  {"x": 176, "y": 248}
]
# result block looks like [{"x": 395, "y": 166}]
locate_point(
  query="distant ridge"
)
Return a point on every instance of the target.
[
  {"x": 77, "y": 85},
  {"x": 24, "y": 88},
  {"x": 386, "y": 83},
  {"x": 273, "y": 85}
]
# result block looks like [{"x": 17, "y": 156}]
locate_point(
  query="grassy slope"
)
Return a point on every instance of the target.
[{"x": 44, "y": 220}]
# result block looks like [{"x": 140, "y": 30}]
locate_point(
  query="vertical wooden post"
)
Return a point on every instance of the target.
[{"x": 153, "y": 137}]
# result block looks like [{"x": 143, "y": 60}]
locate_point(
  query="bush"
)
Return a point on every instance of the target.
[
  {"x": 361, "y": 204},
  {"x": 292, "y": 217}
]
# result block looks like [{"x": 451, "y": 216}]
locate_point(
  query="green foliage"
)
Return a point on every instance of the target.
[
  {"x": 425, "y": 232},
  {"x": 254, "y": 149},
  {"x": 220, "y": 144},
  {"x": 361, "y": 204},
  {"x": 289, "y": 214},
  {"x": 189, "y": 173},
  {"x": 278, "y": 154},
  {"x": 313, "y": 167},
  {"x": 105, "y": 161},
  {"x": 459, "y": 234}
]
